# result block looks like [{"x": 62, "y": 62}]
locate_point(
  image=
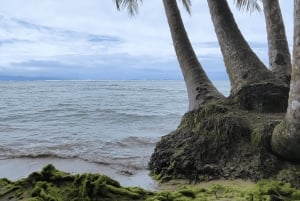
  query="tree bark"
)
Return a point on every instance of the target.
[
  {"x": 200, "y": 89},
  {"x": 279, "y": 54},
  {"x": 253, "y": 85},
  {"x": 286, "y": 136}
]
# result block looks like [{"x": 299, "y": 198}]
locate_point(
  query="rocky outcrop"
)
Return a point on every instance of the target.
[{"x": 222, "y": 141}]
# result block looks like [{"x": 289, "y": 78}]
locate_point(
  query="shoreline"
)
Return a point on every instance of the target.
[
  {"x": 18, "y": 168},
  {"x": 22, "y": 167},
  {"x": 53, "y": 184}
]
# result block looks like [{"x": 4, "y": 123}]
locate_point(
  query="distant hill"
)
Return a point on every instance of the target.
[{"x": 23, "y": 78}]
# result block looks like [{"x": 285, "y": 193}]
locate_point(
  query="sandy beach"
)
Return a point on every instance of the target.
[{"x": 14, "y": 169}]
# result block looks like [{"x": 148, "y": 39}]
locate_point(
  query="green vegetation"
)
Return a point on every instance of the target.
[{"x": 53, "y": 185}]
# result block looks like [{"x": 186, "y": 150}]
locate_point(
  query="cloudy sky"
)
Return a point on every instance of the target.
[{"x": 90, "y": 39}]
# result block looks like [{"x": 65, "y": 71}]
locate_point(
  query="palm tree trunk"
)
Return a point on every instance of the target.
[
  {"x": 286, "y": 136},
  {"x": 200, "y": 88},
  {"x": 279, "y": 54},
  {"x": 254, "y": 87}
]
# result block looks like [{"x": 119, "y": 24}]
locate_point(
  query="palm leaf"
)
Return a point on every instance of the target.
[
  {"x": 131, "y": 5},
  {"x": 248, "y": 5},
  {"x": 187, "y": 5}
]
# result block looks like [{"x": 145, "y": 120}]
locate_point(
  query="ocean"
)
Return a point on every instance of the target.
[{"x": 112, "y": 123}]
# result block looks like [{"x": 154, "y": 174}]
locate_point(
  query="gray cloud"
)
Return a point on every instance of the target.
[{"x": 90, "y": 39}]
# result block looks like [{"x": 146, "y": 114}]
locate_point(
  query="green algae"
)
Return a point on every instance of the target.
[
  {"x": 201, "y": 141},
  {"x": 263, "y": 190},
  {"x": 53, "y": 185}
]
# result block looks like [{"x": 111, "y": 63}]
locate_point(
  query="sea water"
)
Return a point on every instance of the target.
[{"x": 113, "y": 123}]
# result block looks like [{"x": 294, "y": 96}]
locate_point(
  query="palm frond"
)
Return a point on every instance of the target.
[
  {"x": 187, "y": 5},
  {"x": 248, "y": 5},
  {"x": 131, "y": 5}
]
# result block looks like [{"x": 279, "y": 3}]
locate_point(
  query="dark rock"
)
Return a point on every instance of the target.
[
  {"x": 220, "y": 141},
  {"x": 263, "y": 97}
]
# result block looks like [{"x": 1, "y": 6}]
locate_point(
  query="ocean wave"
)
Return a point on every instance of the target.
[
  {"x": 132, "y": 141},
  {"x": 115, "y": 123},
  {"x": 6, "y": 128},
  {"x": 138, "y": 114},
  {"x": 141, "y": 141},
  {"x": 133, "y": 152},
  {"x": 128, "y": 163},
  {"x": 35, "y": 156}
]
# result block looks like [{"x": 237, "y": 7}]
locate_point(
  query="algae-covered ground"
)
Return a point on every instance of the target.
[{"x": 53, "y": 185}]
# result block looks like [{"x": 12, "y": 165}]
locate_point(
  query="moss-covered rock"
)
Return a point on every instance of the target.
[
  {"x": 53, "y": 185},
  {"x": 221, "y": 141}
]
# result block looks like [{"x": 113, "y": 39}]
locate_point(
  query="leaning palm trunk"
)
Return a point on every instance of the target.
[
  {"x": 199, "y": 87},
  {"x": 254, "y": 87},
  {"x": 279, "y": 54},
  {"x": 286, "y": 136}
]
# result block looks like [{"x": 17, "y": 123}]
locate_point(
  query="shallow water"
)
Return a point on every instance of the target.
[{"x": 112, "y": 123}]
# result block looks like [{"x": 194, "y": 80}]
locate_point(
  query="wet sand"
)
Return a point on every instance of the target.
[
  {"x": 179, "y": 183},
  {"x": 14, "y": 169}
]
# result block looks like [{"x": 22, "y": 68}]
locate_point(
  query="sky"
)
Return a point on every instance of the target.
[{"x": 91, "y": 40}]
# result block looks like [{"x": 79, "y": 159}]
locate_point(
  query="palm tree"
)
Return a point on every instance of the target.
[
  {"x": 279, "y": 54},
  {"x": 286, "y": 136},
  {"x": 250, "y": 79},
  {"x": 214, "y": 139},
  {"x": 253, "y": 85},
  {"x": 200, "y": 89}
]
